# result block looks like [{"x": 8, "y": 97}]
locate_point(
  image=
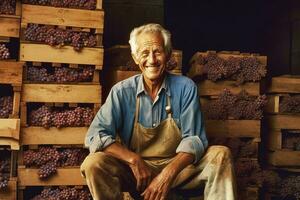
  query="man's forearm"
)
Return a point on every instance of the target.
[
  {"x": 180, "y": 161},
  {"x": 119, "y": 151}
]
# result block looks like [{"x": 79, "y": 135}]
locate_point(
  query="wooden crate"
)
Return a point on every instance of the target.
[
  {"x": 10, "y": 24},
  {"x": 9, "y": 193},
  {"x": 11, "y": 72},
  {"x": 36, "y": 135},
  {"x": 65, "y": 54},
  {"x": 283, "y": 121},
  {"x": 36, "y": 14},
  {"x": 61, "y": 93},
  {"x": 196, "y": 69},
  {"x": 210, "y": 88},
  {"x": 285, "y": 84},
  {"x": 233, "y": 128},
  {"x": 64, "y": 176},
  {"x": 284, "y": 158},
  {"x": 95, "y": 80}
]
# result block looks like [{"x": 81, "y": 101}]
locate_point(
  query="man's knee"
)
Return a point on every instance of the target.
[
  {"x": 93, "y": 163},
  {"x": 221, "y": 154}
]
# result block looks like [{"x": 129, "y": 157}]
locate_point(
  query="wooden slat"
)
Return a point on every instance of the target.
[
  {"x": 65, "y": 54},
  {"x": 274, "y": 140},
  {"x": 64, "y": 176},
  {"x": 233, "y": 128},
  {"x": 14, "y": 144},
  {"x": 278, "y": 122},
  {"x": 9, "y": 193},
  {"x": 210, "y": 88},
  {"x": 11, "y": 72},
  {"x": 99, "y": 4},
  {"x": 16, "y": 105},
  {"x": 63, "y": 16},
  {"x": 285, "y": 84},
  {"x": 60, "y": 93},
  {"x": 40, "y": 135},
  {"x": 10, "y": 26},
  {"x": 284, "y": 158},
  {"x": 10, "y": 128},
  {"x": 272, "y": 104}
]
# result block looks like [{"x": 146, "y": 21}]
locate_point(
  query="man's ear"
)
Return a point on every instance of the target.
[{"x": 135, "y": 58}]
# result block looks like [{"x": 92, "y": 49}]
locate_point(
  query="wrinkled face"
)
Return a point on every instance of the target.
[{"x": 151, "y": 56}]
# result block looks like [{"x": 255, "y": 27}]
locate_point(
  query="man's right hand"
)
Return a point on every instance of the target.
[{"x": 142, "y": 173}]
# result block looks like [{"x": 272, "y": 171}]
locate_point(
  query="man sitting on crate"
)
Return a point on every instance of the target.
[{"x": 163, "y": 142}]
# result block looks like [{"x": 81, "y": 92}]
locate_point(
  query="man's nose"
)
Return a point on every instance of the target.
[{"x": 152, "y": 58}]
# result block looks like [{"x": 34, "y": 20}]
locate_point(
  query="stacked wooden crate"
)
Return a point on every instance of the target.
[
  {"x": 62, "y": 94},
  {"x": 241, "y": 135},
  {"x": 120, "y": 65}
]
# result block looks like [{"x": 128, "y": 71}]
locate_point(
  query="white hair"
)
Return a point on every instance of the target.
[{"x": 150, "y": 28}]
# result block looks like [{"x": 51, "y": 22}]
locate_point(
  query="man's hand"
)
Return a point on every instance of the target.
[
  {"x": 160, "y": 186},
  {"x": 141, "y": 172}
]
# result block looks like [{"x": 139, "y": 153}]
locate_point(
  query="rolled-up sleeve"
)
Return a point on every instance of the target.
[
  {"x": 194, "y": 139},
  {"x": 102, "y": 131}
]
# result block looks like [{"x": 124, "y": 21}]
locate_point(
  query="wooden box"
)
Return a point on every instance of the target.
[
  {"x": 9, "y": 193},
  {"x": 10, "y": 24}
]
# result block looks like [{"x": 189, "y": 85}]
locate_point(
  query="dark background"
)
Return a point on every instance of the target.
[{"x": 267, "y": 27}]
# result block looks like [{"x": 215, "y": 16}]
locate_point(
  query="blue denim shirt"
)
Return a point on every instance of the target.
[{"x": 117, "y": 114}]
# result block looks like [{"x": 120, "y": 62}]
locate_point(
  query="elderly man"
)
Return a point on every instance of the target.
[{"x": 162, "y": 142}]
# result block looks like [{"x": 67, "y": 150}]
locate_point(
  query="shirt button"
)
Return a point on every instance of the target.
[{"x": 154, "y": 125}]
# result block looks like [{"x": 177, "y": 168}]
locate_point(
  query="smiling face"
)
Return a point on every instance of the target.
[{"x": 151, "y": 56}]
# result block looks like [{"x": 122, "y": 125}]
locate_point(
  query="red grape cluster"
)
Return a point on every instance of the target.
[
  {"x": 80, "y": 4},
  {"x": 244, "y": 69},
  {"x": 46, "y": 116},
  {"x": 7, "y": 7},
  {"x": 48, "y": 159},
  {"x": 68, "y": 193},
  {"x": 6, "y": 106},
  {"x": 4, "y": 168},
  {"x": 4, "y": 52},
  {"x": 55, "y": 36},
  {"x": 290, "y": 104},
  {"x": 240, "y": 106},
  {"x": 60, "y": 74}
]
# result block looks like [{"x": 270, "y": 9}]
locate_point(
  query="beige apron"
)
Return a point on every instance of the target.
[{"x": 157, "y": 145}]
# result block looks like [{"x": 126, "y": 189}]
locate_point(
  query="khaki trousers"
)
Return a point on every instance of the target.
[{"x": 107, "y": 177}]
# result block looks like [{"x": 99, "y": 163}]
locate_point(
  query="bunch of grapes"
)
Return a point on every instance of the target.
[
  {"x": 70, "y": 193},
  {"x": 4, "y": 52},
  {"x": 241, "y": 106},
  {"x": 49, "y": 158},
  {"x": 60, "y": 74},
  {"x": 290, "y": 104},
  {"x": 6, "y": 106},
  {"x": 58, "y": 37},
  {"x": 290, "y": 187},
  {"x": 244, "y": 69},
  {"x": 7, "y": 7},
  {"x": 47, "y": 117},
  {"x": 80, "y": 4},
  {"x": 4, "y": 168}
]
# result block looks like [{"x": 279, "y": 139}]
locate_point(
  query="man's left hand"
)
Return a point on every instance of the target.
[{"x": 160, "y": 186}]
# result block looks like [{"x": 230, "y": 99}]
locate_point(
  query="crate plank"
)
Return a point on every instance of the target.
[
  {"x": 10, "y": 26},
  {"x": 63, "y": 16},
  {"x": 14, "y": 144},
  {"x": 10, "y": 128},
  {"x": 9, "y": 193},
  {"x": 281, "y": 121},
  {"x": 64, "y": 176},
  {"x": 233, "y": 128},
  {"x": 284, "y": 158},
  {"x": 285, "y": 84},
  {"x": 53, "y": 135},
  {"x": 11, "y": 72},
  {"x": 210, "y": 88},
  {"x": 65, "y": 54},
  {"x": 60, "y": 93}
]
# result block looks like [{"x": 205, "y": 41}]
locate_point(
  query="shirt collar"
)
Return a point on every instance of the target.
[{"x": 165, "y": 86}]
